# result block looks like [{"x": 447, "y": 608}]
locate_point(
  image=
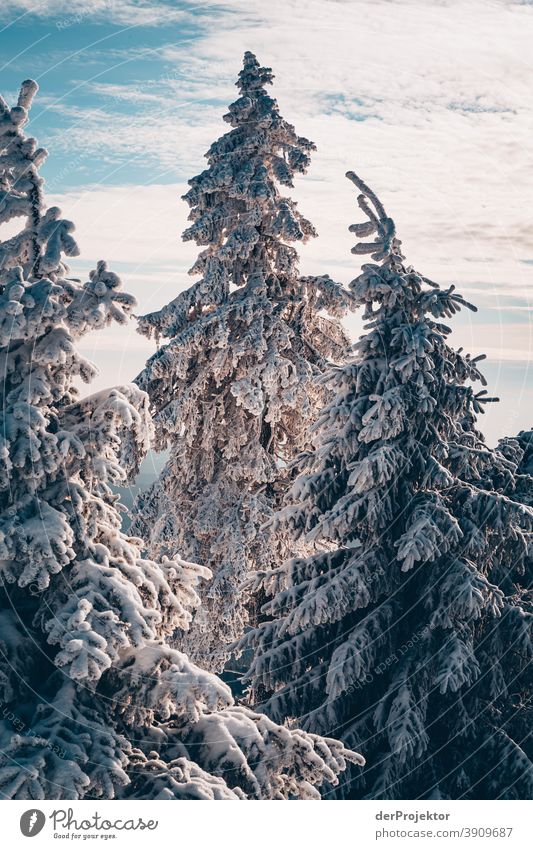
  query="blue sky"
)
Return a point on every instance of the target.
[{"x": 429, "y": 101}]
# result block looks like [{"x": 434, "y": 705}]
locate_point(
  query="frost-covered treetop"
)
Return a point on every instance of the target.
[
  {"x": 247, "y": 234},
  {"x": 237, "y": 210},
  {"x": 38, "y": 246}
]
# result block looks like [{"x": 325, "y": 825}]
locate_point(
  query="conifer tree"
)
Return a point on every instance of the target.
[
  {"x": 408, "y": 632},
  {"x": 235, "y": 385},
  {"x": 95, "y": 704},
  {"x": 519, "y": 451}
]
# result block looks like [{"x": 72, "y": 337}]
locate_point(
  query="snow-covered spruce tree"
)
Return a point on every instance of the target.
[
  {"x": 519, "y": 451},
  {"x": 93, "y": 702},
  {"x": 407, "y": 633},
  {"x": 234, "y": 388}
]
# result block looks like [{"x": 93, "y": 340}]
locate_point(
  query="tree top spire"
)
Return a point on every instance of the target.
[
  {"x": 253, "y": 76},
  {"x": 385, "y": 245}
]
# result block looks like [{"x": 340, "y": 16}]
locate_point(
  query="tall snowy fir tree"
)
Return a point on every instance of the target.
[
  {"x": 94, "y": 703},
  {"x": 234, "y": 388},
  {"x": 408, "y": 632}
]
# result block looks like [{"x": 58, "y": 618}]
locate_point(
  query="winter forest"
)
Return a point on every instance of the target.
[{"x": 326, "y": 591}]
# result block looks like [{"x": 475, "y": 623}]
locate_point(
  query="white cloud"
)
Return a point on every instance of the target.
[
  {"x": 67, "y": 13},
  {"x": 443, "y": 90}
]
